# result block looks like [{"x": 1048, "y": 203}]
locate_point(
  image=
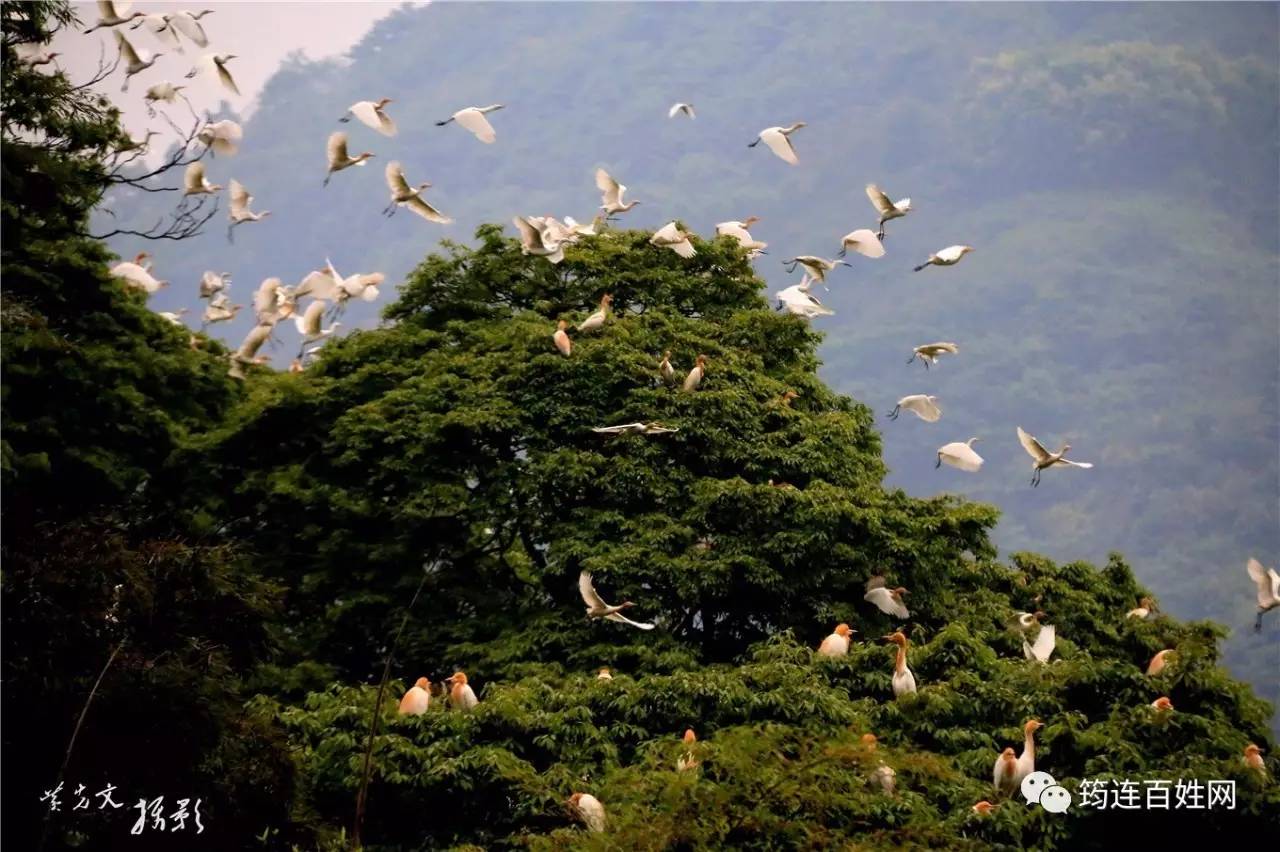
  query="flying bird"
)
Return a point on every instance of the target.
[
  {"x": 1042, "y": 458},
  {"x": 738, "y": 230},
  {"x": 165, "y": 91},
  {"x": 239, "y": 212},
  {"x": 887, "y": 600},
  {"x": 681, "y": 109},
  {"x": 404, "y": 195},
  {"x": 533, "y": 241},
  {"x": 372, "y": 114},
  {"x": 921, "y": 405},
  {"x": 960, "y": 454},
  {"x": 797, "y": 300},
  {"x": 928, "y": 352},
  {"x": 159, "y": 27},
  {"x": 949, "y": 256},
  {"x": 864, "y": 241},
  {"x": 779, "y": 141},
  {"x": 216, "y": 64},
  {"x": 887, "y": 209},
  {"x": 309, "y": 324},
  {"x": 672, "y": 237},
  {"x": 195, "y": 183},
  {"x": 111, "y": 13},
  {"x": 223, "y": 137},
  {"x": 339, "y": 159},
  {"x": 635, "y": 429},
  {"x": 212, "y": 283},
  {"x": 473, "y": 119},
  {"x": 1046, "y": 638},
  {"x": 1268, "y": 583},
  {"x": 612, "y": 192},
  {"x": 597, "y": 608},
  {"x": 133, "y": 63},
  {"x": 815, "y": 267}
]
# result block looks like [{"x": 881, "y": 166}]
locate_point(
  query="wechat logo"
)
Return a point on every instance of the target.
[{"x": 1040, "y": 788}]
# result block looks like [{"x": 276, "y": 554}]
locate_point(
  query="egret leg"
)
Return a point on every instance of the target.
[
  {"x": 938, "y": 463},
  {"x": 893, "y": 415},
  {"x": 842, "y": 252},
  {"x": 912, "y": 358},
  {"x": 1257, "y": 623}
]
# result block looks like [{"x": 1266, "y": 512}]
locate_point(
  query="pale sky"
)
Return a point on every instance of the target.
[{"x": 260, "y": 34}]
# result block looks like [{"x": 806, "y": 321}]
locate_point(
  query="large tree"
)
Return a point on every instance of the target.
[{"x": 453, "y": 449}]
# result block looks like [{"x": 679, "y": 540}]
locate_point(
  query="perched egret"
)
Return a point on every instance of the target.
[
  {"x": 561, "y": 338},
  {"x": 417, "y": 699},
  {"x": 694, "y": 378},
  {"x": 1159, "y": 662},
  {"x": 1004, "y": 774},
  {"x": 587, "y": 808},
  {"x": 1027, "y": 760},
  {"x": 461, "y": 695},
  {"x": 1046, "y": 638},
  {"x": 597, "y": 319},
  {"x": 904, "y": 682},
  {"x": 837, "y": 644},
  {"x": 1145, "y": 609},
  {"x": 672, "y": 237}
]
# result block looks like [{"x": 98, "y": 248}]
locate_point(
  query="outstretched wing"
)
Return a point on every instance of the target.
[
  {"x": 337, "y": 148},
  {"x": 418, "y": 205},
  {"x": 1034, "y": 448},
  {"x": 588, "y": 592},
  {"x": 781, "y": 145},
  {"x": 395, "y": 178},
  {"x": 475, "y": 121},
  {"x": 1044, "y": 643},
  {"x": 1259, "y": 576},
  {"x": 611, "y": 189},
  {"x": 189, "y": 27},
  {"x": 879, "y": 200},
  {"x": 240, "y": 198},
  {"x": 876, "y": 582},
  {"x": 643, "y": 625},
  {"x": 127, "y": 53}
]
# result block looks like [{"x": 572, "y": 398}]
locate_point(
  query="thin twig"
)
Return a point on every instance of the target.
[{"x": 363, "y": 795}]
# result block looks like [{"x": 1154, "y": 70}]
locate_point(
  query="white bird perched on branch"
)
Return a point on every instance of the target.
[
  {"x": 837, "y": 643},
  {"x": 928, "y": 352},
  {"x": 1027, "y": 760},
  {"x": 417, "y": 699},
  {"x": 174, "y": 317},
  {"x": 561, "y": 339},
  {"x": 195, "y": 183},
  {"x": 137, "y": 274},
  {"x": 597, "y": 319},
  {"x": 222, "y": 137},
  {"x": 1268, "y": 591},
  {"x": 133, "y": 63},
  {"x": 960, "y": 454},
  {"x": 372, "y": 114},
  {"x": 216, "y": 64},
  {"x": 588, "y": 809},
  {"x": 635, "y": 429},
  {"x": 738, "y": 230},
  {"x": 1046, "y": 639},
  {"x": 797, "y": 300},
  {"x": 816, "y": 267},
  {"x": 887, "y": 209},
  {"x": 213, "y": 283},
  {"x": 533, "y": 241},
  {"x": 111, "y": 13},
  {"x": 864, "y": 241},
  {"x": 694, "y": 378},
  {"x": 904, "y": 682},
  {"x": 949, "y": 256},
  {"x": 461, "y": 695},
  {"x": 339, "y": 159},
  {"x": 165, "y": 91},
  {"x": 887, "y": 600},
  {"x": 1042, "y": 458},
  {"x": 921, "y": 405},
  {"x": 597, "y": 608},
  {"x": 612, "y": 191},
  {"x": 240, "y": 212},
  {"x": 779, "y": 141},
  {"x": 681, "y": 109},
  {"x": 672, "y": 237},
  {"x": 473, "y": 119},
  {"x": 404, "y": 195}
]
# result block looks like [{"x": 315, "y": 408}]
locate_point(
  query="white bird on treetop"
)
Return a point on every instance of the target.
[
  {"x": 597, "y": 319},
  {"x": 417, "y": 699},
  {"x": 672, "y": 237},
  {"x": 597, "y": 608},
  {"x": 588, "y": 809},
  {"x": 837, "y": 644},
  {"x": 635, "y": 429},
  {"x": 136, "y": 274}
]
